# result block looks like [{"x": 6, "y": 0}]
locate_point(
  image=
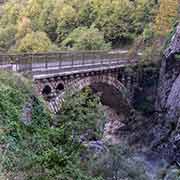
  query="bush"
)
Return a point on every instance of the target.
[
  {"x": 35, "y": 151},
  {"x": 84, "y": 38},
  {"x": 66, "y": 20},
  {"x": 148, "y": 33},
  {"x": 151, "y": 54},
  {"x": 82, "y": 114},
  {"x": 35, "y": 42},
  {"x": 7, "y": 37},
  {"x": 11, "y": 12}
]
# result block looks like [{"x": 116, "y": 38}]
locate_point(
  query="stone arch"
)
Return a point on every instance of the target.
[
  {"x": 47, "y": 90},
  {"x": 60, "y": 86},
  {"x": 80, "y": 83}
]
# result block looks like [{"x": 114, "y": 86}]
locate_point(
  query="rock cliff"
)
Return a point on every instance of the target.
[{"x": 167, "y": 132}]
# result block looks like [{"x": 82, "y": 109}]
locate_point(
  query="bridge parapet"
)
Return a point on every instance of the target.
[{"x": 50, "y": 63}]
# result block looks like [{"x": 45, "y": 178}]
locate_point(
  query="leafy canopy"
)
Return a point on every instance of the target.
[
  {"x": 40, "y": 150},
  {"x": 84, "y": 38},
  {"x": 112, "y": 21}
]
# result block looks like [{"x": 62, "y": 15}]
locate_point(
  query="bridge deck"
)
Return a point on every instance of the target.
[{"x": 42, "y": 65}]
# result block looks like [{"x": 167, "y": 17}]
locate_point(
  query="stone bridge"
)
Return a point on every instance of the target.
[{"x": 55, "y": 74}]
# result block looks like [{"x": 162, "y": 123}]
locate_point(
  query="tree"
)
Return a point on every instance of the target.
[
  {"x": 84, "y": 38},
  {"x": 32, "y": 10},
  {"x": 67, "y": 20},
  {"x": 119, "y": 21},
  {"x": 143, "y": 14},
  {"x": 35, "y": 42},
  {"x": 86, "y": 14},
  {"x": 11, "y": 12},
  {"x": 167, "y": 14},
  {"x": 114, "y": 19},
  {"x": 44, "y": 151},
  {"x": 7, "y": 36},
  {"x": 81, "y": 113},
  {"x": 48, "y": 19}
]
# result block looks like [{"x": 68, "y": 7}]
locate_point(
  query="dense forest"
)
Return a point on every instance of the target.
[
  {"x": 69, "y": 145},
  {"x": 51, "y": 25}
]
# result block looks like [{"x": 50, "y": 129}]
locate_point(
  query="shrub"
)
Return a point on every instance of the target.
[
  {"x": 148, "y": 33},
  {"x": 35, "y": 42},
  {"x": 35, "y": 151},
  {"x": 84, "y": 38},
  {"x": 7, "y": 36}
]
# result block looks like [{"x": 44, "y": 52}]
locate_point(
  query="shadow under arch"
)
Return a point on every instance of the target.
[
  {"x": 110, "y": 96},
  {"x": 60, "y": 87},
  {"x": 46, "y": 90}
]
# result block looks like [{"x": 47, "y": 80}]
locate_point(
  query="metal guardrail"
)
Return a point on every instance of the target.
[{"x": 38, "y": 63}]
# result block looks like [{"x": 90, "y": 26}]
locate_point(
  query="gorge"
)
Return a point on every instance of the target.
[{"x": 89, "y": 90}]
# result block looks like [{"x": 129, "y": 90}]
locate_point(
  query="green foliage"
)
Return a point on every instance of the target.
[
  {"x": 170, "y": 35},
  {"x": 84, "y": 38},
  {"x": 40, "y": 151},
  {"x": 151, "y": 54},
  {"x": 118, "y": 21},
  {"x": 67, "y": 21},
  {"x": 81, "y": 114},
  {"x": 143, "y": 14},
  {"x": 7, "y": 36},
  {"x": 177, "y": 57},
  {"x": 122, "y": 20},
  {"x": 86, "y": 14},
  {"x": 113, "y": 19},
  {"x": 148, "y": 33},
  {"x": 47, "y": 21},
  {"x": 35, "y": 42},
  {"x": 11, "y": 12}
]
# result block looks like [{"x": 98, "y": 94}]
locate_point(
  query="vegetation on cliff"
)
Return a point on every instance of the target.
[{"x": 40, "y": 150}]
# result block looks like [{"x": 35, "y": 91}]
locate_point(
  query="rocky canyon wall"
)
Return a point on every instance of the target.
[{"x": 167, "y": 132}]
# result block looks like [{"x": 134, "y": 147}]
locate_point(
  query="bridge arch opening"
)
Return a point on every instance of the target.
[
  {"x": 46, "y": 90},
  {"x": 111, "y": 97},
  {"x": 60, "y": 87}
]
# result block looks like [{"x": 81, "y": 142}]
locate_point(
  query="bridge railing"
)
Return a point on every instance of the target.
[
  {"x": 35, "y": 62},
  {"x": 5, "y": 62}
]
